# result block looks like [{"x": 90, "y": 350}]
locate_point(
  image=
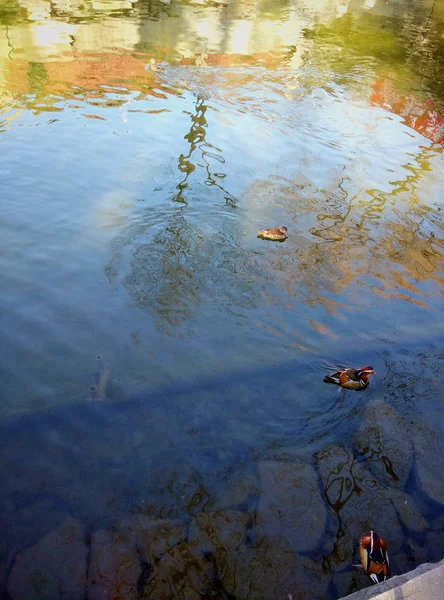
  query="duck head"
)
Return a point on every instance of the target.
[
  {"x": 364, "y": 373},
  {"x": 371, "y": 541}
]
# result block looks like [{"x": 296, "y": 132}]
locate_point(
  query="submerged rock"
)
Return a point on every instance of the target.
[
  {"x": 386, "y": 442},
  {"x": 408, "y": 512},
  {"x": 218, "y": 533},
  {"x": 266, "y": 569},
  {"x": 429, "y": 448},
  {"x": 291, "y": 504},
  {"x": 153, "y": 538},
  {"x": 114, "y": 567},
  {"x": 362, "y": 502},
  {"x": 54, "y": 568},
  {"x": 171, "y": 493},
  {"x": 181, "y": 574},
  {"x": 143, "y": 558},
  {"x": 273, "y": 570},
  {"x": 359, "y": 493},
  {"x": 232, "y": 489}
]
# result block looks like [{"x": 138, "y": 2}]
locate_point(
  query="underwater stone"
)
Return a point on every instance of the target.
[
  {"x": 429, "y": 448},
  {"x": 114, "y": 567},
  {"x": 54, "y": 568},
  {"x": 180, "y": 574},
  {"x": 218, "y": 533},
  {"x": 384, "y": 438},
  {"x": 272, "y": 570},
  {"x": 153, "y": 538},
  {"x": 364, "y": 502},
  {"x": 291, "y": 504},
  {"x": 431, "y": 480},
  {"x": 231, "y": 490},
  {"x": 408, "y": 512}
]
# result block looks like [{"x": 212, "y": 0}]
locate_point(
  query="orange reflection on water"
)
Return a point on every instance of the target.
[
  {"x": 87, "y": 72},
  {"x": 425, "y": 117},
  {"x": 92, "y": 77}
]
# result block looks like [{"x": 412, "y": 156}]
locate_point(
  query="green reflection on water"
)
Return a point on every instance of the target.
[{"x": 410, "y": 53}]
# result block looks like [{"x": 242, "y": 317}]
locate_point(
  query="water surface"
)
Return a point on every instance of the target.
[{"x": 131, "y": 198}]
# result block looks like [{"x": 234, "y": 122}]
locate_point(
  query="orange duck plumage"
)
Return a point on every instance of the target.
[
  {"x": 351, "y": 379},
  {"x": 374, "y": 556}
]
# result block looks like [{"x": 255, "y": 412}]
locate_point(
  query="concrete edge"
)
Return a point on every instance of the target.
[{"x": 418, "y": 576}]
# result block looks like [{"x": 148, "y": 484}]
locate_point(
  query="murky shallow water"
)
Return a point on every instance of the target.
[{"x": 219, "y": 464}]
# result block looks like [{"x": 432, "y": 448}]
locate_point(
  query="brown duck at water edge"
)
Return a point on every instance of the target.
[
  {"x": 374, "y": 557},
  {"x": 277, "y": 234},
  {"x": 351, "y": 379},
  {"x": 155, "y": 67}
]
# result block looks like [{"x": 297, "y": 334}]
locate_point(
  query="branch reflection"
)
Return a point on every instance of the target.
[{"x": 196, "y": 138}]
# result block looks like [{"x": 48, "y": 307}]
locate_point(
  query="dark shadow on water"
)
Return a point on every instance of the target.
[{"x": 222, "y": 482}]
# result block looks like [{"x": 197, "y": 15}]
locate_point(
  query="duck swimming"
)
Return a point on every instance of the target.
[
  {"x": 374, "y": 557},
  {"x": 351, "y": 379},
  {"x": 274, "y": 233},
  {"x": 156, "y": 68}
]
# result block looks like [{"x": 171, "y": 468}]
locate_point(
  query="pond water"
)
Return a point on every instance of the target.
[{"x": 143, "y": 145}]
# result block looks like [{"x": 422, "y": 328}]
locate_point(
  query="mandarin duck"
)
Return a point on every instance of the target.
[
  {"x": 374, "y": 557},
  {"x": 277, "y": 234},
  {"x": 351, "y": 379}
]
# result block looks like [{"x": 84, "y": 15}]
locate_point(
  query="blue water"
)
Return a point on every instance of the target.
[{"x": 131, "y": 201}]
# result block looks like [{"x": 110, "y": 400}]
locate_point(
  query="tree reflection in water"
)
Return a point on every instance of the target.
[
  {"x": 358, "y": 234},
  {"x": 182, "y": 264},
  {"x": 197, "y": 140}
]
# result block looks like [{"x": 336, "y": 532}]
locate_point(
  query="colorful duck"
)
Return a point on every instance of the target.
[
  {"x": 351, "y": 379},
  {"x": 277, "y": 234},
  {"x": 374, "y": 557}
]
